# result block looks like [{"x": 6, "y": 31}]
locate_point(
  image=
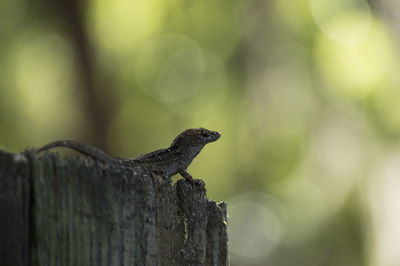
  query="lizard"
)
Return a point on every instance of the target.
[{"x": 170, "y": 161}]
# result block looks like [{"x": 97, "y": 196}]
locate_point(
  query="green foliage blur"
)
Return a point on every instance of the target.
[{"x": 305, "y": 94}]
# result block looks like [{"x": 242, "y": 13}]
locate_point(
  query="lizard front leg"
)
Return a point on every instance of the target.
[{"x": 186, "y": 175}]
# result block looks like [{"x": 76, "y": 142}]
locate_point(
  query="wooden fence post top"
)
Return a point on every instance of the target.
[{"x": 76, "y": 211}]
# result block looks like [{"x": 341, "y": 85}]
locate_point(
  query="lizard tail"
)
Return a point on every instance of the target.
[{"x": 82, "y": 148}]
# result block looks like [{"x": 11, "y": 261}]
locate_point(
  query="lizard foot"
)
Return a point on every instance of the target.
[
  {"x": 189, "y": 178},
  {"x": 199, "y": 182}
]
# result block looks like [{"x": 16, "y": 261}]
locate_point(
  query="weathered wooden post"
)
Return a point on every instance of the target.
[{"x": 76, "y": 211}]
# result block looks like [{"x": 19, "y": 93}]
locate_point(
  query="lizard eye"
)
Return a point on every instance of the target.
[{"x": 203, "y": 132}]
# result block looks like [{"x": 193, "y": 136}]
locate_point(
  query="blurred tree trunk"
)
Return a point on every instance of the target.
[
  {"x": 97, "y": 98},
  {"x": 80, "y": 212}
]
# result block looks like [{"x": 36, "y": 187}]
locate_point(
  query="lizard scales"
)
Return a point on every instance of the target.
[{"x": 170, "y": 161}]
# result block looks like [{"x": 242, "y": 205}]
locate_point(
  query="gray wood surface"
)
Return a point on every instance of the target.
[{"x": 75, "y": 211}]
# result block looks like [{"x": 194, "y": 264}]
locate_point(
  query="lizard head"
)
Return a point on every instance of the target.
[
  {"x": 190, "y": 142},
  {"x": 194, "y": 139}
]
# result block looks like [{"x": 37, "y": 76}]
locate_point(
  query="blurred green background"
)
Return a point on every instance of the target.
[{"x": 305, "y": 94}]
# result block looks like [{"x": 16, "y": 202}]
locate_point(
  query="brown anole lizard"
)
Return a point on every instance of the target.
[{"x": 170, "y": 161}]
